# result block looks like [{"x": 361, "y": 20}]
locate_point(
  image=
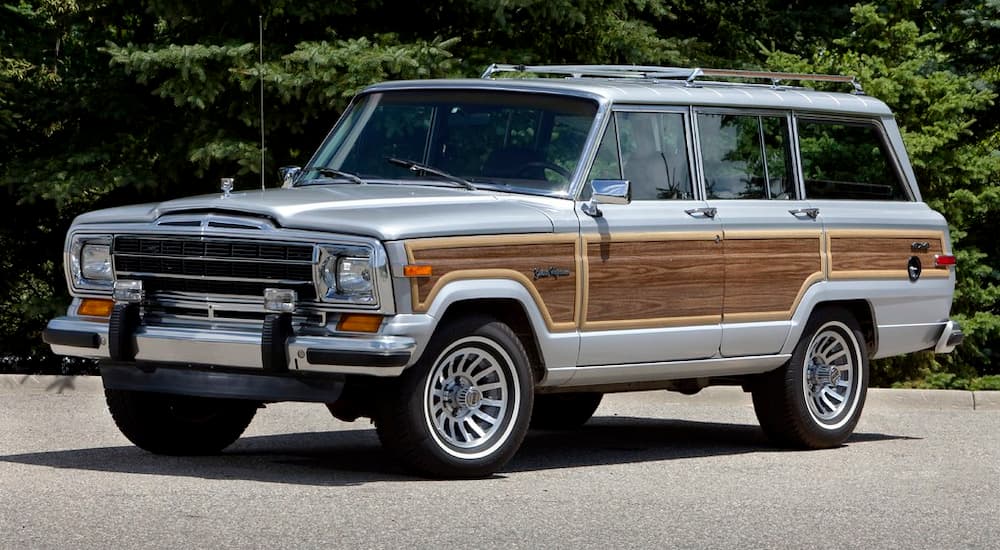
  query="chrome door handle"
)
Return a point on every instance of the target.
[
  {"x": 707, "y": 212},
  {"x": 811, "y": 212}
]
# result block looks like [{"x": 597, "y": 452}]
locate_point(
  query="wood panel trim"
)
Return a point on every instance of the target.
[
  {"x": 476, "y": 274},
  {"x": 931, "y": 272},
  {"x": 646, "y": 322},
  {"x": 581, "y": 243},
  {"x": 417, "y": 245},
  {"x": 749, "y": 317},
  {"x": 654, "y": 322}
]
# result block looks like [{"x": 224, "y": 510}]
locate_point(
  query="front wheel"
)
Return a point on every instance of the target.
[
  {"x": 179, "y": 424},
  {"x": 463, "y": 409},
  {"x": 815, "y": 400}
]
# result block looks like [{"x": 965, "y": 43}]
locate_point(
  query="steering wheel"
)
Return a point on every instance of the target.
[{"x": 546, "y": 165}]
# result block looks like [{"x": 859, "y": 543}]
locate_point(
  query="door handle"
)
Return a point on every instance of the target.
[
  {"x": 707, "y": 212},
  {"x": 811, "y": 212}
]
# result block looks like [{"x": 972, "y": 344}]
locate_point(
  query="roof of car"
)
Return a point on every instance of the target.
[{"x": 664, "y": 92}]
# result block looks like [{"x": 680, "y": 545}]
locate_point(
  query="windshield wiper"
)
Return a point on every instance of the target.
[
  {"x": 415, "y": 166},
  {"x": 334, "y": 173}
]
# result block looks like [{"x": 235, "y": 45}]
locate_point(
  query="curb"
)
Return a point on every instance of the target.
[
  {"x": 878, "y": 398},
  {"x": 987, "y": 400}
]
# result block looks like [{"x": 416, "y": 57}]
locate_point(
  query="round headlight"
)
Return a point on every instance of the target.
[
  {"x": 95, "y": 262},
  {"x": 354, "y": 275}
]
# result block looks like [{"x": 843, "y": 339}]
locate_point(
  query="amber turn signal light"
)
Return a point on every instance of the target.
[
  {"x": 358, "y": 322},
  {"x": 91, "y": 307},
  {"x": 417, "y": 271}
]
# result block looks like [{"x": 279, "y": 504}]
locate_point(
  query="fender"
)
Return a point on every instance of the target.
[
  {"x": 893, "y": 304},
  {"x": 557, "y": 349}
]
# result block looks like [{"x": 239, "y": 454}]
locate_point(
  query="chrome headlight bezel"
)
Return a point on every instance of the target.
[
  {"x": 103, "y": 279},
  {"x": 346, "y": 274}
]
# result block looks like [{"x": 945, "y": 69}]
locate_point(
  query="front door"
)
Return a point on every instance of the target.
[{"x": 654, "y": 270}]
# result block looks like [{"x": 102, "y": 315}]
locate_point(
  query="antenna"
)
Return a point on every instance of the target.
[{"x": 260, "y": 75}]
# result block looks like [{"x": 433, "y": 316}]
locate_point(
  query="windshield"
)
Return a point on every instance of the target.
[{"x": 512, "y": 141}]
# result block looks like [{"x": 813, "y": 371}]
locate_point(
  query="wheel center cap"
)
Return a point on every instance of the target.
[
  {"x": 468, "y": 397},
  {"x": 822, "y": 375},
  {"x": 834, "y": 376}
]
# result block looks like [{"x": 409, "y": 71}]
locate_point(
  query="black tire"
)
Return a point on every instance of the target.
[
  {"x": 815, "y": 400},
  {"x": 178, "y": 424},
  {"x": 436, "y": 418},
  {"x": 564, "y": 411}
]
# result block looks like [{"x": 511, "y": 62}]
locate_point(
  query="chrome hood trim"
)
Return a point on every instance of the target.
[{"x": 385, "y": 212}]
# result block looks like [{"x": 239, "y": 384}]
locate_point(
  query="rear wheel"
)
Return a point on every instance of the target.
[
  {"x": 815, "y": 400},
  {"x": 179, "y": 424},
  {"x": 564, "y": 411},
  {"x": 463, "y": 409}
]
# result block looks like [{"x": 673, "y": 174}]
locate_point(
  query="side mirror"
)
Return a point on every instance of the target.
[
  {"x": 607, "y": 192},
  {"x": 288, "y": 174}
]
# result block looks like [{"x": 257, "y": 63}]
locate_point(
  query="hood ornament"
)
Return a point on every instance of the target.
[{"x": 227, "y": 187}]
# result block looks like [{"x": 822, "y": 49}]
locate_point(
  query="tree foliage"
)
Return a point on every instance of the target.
[
  {"x": 922, "y": 63},
  {"x": 107, "y": 102}
]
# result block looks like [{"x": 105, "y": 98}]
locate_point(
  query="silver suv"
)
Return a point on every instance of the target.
[{"x": 463, "y": 259}]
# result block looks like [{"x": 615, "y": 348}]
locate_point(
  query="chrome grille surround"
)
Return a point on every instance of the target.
[{"x": 183, "y": 285}]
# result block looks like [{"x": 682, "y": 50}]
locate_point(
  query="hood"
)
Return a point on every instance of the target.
[{"x": 386, "y": 212}]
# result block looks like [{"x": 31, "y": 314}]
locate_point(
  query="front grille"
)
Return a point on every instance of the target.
[
  {"x": 214, "y": 266},
  {"x": 212, "y": 248}
]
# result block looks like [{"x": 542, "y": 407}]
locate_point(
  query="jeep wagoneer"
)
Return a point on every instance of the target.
[{"x": 463, "y": 259}]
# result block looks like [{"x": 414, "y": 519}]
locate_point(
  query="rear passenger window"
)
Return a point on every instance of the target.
[
  {"x": 847, "y": 161},
  {"x": 746, "y": 156}
]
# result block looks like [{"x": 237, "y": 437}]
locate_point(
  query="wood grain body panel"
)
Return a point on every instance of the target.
[
  {"x": 515, "y": 259},
  {"x": 883, "y": 254},
  {"x": 653, "y": 282},
  {"x": 766, "y": 277}
]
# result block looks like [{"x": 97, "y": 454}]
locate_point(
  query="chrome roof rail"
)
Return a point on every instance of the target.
[{"x": 690, "y": 76}]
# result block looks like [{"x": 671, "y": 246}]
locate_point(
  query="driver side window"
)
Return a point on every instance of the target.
[{"x": 653, "y": 155}]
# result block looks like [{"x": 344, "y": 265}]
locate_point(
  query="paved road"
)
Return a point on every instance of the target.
[{"x": 651, "y": 470}]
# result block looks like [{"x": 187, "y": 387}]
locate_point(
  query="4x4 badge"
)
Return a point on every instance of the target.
[{"x": 553, "y": 272}]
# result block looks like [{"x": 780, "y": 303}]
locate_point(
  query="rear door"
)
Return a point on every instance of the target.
[{"x": 772, "y": 239}]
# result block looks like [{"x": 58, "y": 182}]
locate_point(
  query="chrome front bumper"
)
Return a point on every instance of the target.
[{"x": 240, "y": 347}]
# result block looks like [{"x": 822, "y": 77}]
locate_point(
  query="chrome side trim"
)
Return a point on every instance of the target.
[{"x": 671, "y": 370}]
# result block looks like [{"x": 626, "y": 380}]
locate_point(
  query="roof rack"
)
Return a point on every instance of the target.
[{"x": 688, "y": 75}]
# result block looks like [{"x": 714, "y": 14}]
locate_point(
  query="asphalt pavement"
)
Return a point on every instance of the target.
[{"x": 651, "y": 470}]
